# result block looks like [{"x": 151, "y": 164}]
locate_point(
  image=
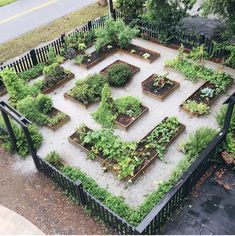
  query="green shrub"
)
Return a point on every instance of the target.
[
  {"x": 54, "y": 159},
  {"x": 115, "y": 33},
  {"x": 220, "y": 117},
  {"x": 79, "y": 59},
  {"x": 32, "y": 73},
  {"x": 118, "y": 75},
  {"x": 128, "y": 105},
  {"x": 53, "y": 58},
  {"x": 89, "y": 90},
  {"x": 199, "y": 54},
  {"x": 44, "y": 103},
  {"x": 197, "y": 141},
  {"x": 20, "y": 138},
  {"x": 57, "y": 119},
  {"x": 194, "y": 107},
  {"x": 106, "y": 113}
]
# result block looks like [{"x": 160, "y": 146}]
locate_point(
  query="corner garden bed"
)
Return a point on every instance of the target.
[
  {"x": 159, "y": 87},
  {"x": 138, "y": 156}
]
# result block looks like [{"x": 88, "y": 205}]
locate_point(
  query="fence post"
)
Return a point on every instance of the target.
[
  {"x": 80, "y": 192},
  {"x": 62, "y": 38},
  {"x": 9, "y": 129},
  {"x": 33, "y": 57},
  {"x": 89, "y": 25}
]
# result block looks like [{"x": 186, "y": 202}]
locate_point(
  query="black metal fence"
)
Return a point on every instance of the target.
[{"x": 156, "y": 219}]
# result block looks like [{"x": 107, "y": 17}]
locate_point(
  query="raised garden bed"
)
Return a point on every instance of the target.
[
  {"x": 148, "y": 155},
  {"x": 159, "y": 93},
  {"x": 57, "y": 82},
  {"x": 196, "y": 96},
  {"x": 141, "y": 53},
  {"x": 54, "y": 113},
  {"x": 66, "y": 95},
  {"x": 134, "y": 69},
  {"x": 124, "y": 121}
]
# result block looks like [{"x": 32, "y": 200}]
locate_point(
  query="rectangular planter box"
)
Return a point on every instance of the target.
[
  {"x": 59, "y": 84},
  {"x": 127, "y": 126},
  {"x": 56, "y": 127},
  {"x": 153, "y": 55},
  {"x": 165, "y": 94}
]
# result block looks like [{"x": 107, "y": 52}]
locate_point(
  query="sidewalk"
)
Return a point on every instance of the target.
[{"x": 13, "y": 223}]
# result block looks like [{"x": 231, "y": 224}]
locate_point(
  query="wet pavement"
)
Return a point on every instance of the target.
[
  {"x": 211, "y": 210},
  {"x": 37, "y": 199}
]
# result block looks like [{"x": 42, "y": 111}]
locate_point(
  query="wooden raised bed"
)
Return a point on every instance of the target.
[
  {"x": 160, "y": 94},
  {"x": 134, "y": 69},
  {"x": 54, "y": 111},
  {"x": 139, "y": 52},
  {"x": 67, "y": 96},
  {"x": 58, "y": 84},
  {"x": 124, "y": 121},
  {"x": 197, "y": 98},
  {"x": 75, "y": 140}
]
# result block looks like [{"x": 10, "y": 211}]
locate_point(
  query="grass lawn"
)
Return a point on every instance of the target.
[
  {"x": 50, "y": 31},
  {"x": 5, "y": 2}
]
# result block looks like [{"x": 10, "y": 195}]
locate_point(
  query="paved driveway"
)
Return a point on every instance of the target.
[{"x": 25, "y": 15}]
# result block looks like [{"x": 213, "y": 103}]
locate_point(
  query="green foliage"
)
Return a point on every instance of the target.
[
  {"x": 196, "y": 108},
  {"x": 79, "y": 59},
  {"x": 128, "y": 105},
  {"x": 165, "y": 15},
  {"x": 53, "y": 58},
  {"x": 197, "y": 141},
  {"x": 207, "y": 92},
  {"x": 32, "y": 73},
  {"x": 119, "y": 74},
  {"x": 20, "y": 137},
  {"x": 106, "y": 113},
  {"x": 198, "y": 54},
  {"x": 131, "y": 8},
  {"x": 36, "y": 109},
  {"x": 230, "y": 60},
  {"x": 220, "y": 117},
  {"x": 57, "y": 119},
  {"x": 115, "y": 33},
  {"x": 54, "y": 159},
  {"x": 230, "y": 143},
  {"x": 89, "y": 90},
  {"x": 160, "y": 81}
]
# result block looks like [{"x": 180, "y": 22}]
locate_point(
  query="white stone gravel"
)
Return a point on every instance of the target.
[{"x": 159, "y": 171}]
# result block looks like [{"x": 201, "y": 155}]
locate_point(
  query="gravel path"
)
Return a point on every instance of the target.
[{"x": 40, "y": 202}]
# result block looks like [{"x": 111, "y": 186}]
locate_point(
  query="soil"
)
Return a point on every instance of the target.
[
  {"x": 149, "y": 86},
  {"x": 37, "y": 199}
]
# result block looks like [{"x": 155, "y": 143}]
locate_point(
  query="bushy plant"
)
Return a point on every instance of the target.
[
  {"x": 57, "y": 119},
  {"x": 115, "y": 33},
  {"x": 106, "y": 113},
  {"x": 118, "y": 75},
  {"x": 54, "y": 159},
  {"x": 128, "y": 105},
  {"x": 21, "y": 142},
  {"x": 32, "y": 73},
  {"x": 89, "y": 90},
  {"x": 207, "y": 92},
  {"x": 160, "y": 81},
  {"x": 199, "y": 54},
  {"x": 79, "y": 59},
  {"x": 194, "y": 107},
  {"x": 220, "y": 117},
  {"x": 197, "y": 141}
]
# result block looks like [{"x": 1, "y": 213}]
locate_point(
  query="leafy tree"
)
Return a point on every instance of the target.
[
  {"x": 225, "y": 9},
  {"x": 131, "y": 8},
  {"x": 166, "y": 14}
]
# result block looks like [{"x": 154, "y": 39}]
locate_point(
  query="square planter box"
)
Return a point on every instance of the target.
[
  {"x": 59, "y": 84},
  {"x": 138, "y": 52},
  {"x": 134, "y": 69},
  {"x": 125, "y": 121},
  {"x": 52, "y": 114},
  {"x": 162, "y": 93}
]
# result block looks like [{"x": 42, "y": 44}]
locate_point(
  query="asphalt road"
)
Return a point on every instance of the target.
[{"x": 25, "y": 15}]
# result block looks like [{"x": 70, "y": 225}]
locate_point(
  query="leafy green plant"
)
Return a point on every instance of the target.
[
  {"x": 114, "y": 33},
  {"x": 54, "y": 159},
  {"x": 32, "y": 73},
  {"x": 197, "y": 141},
  {"x": 160, "y": 81},
  {"x": 53, "y": 57},
  {"x": 198, "y": 54},
  {"x": 207, "y": 92},
  {"x": 118, "y": 75},
  {"x": 106, "y": 113},
  {"x": 220, "y": 117},
  {"x": 146, "y": 55},
  {"x": 21, "y": 142},
  {"x": 89, "y": 90},
  {"x": 57, "y": 119},
  {"x": 128, "y": 105},
  {"x": 194, "y": 107},
  {"x": 79, "y": 59}
]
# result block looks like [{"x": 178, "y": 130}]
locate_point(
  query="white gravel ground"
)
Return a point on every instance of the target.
[{"x": 135, "y": 193}]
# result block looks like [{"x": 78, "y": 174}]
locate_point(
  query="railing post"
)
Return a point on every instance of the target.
[
  {"x": 31, "y": 147},
  {"x": 230, "y": 101},
  {"x": 80, "y": 192},
  {"x": 9, "y": 129},
  {"x": 33, "y": 57},
  {"x": 89, "y": 25},
  {"x": 62, "y": 38}
]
